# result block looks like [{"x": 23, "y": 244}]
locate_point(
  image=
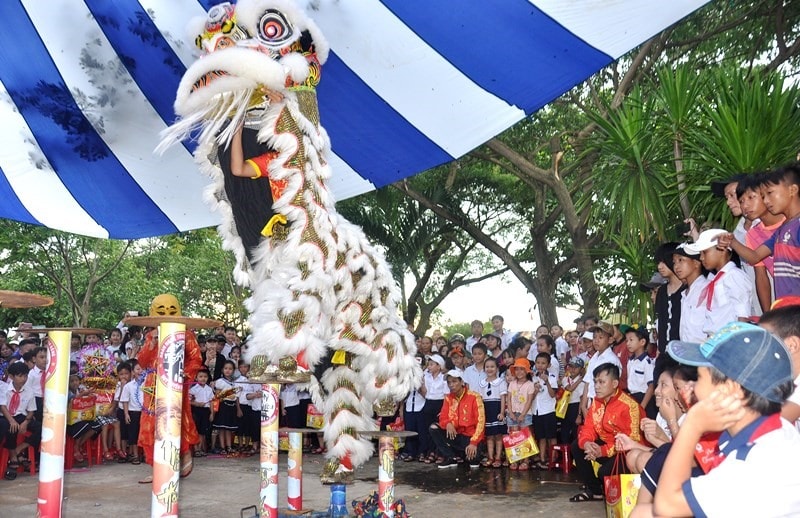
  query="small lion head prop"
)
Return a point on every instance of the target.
[
  {"x": 245, "y": 48},
  {"x": 165, "y": 305}
]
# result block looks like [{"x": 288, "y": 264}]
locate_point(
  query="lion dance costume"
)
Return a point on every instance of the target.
[
  {"x": 323, "y": 298},
  {"x": 163, "y": 305}
]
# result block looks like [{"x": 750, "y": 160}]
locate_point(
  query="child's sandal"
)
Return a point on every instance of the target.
[
  {"x": 523, "y": 466},
  {"x": 497, "y": 464},
  {"x": 514, "y": 466},
  {"x": 486, "y": 462}
]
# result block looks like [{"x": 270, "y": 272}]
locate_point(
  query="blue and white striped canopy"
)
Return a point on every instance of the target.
[{"x": 87, "y": 85}]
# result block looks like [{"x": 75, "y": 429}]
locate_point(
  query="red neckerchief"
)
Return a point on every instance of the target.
[
  {"x": 708, "y": 291},
  {"x": 13, "y": 404}
]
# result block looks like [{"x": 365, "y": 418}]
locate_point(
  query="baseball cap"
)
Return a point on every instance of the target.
[
  {"x": 438, "y": 359},
  {"x": 707, "y": 239},
  {"x": 587, "y": 335},
  {"x": 655, "y": 281},
  {"x": 718, "y": 186},
  {"x": 604, "y": 327},
  {"x": 682, "y": 249},
  {"x": 577, "y": 362},
  {"x": 454, "y": 373},
  {"x": 749, "y": 355}
]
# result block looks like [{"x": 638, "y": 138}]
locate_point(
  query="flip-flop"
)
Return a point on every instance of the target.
[
  {"x": 586, "y": 497},
  {"x": 146, "y": 480}
]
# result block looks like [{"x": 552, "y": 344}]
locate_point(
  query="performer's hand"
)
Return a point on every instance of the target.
[
  {"x": 471, "y": 451},
  {"x": 451, "y": 431},
  {"x": 127, "y": 419},
  {"x": 14, "y": 426},
  {"x": 592, "y": 451}
]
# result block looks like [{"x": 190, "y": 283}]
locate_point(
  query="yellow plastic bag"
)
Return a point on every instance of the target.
[
  {"x": 562, "y": 404},
  {"x": 314, "y": 418}
]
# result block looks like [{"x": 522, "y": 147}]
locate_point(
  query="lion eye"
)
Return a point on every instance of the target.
[{"x": 274, "y": 28}]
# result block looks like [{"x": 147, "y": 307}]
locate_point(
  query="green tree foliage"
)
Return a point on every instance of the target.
[
  {"x": 420, "y": 245},
  {"x": 94, "y": 281}
]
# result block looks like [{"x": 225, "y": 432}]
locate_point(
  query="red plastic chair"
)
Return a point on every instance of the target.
[
  {"x": 560, "y": 458},
  {"x": 31, "y": 457}
]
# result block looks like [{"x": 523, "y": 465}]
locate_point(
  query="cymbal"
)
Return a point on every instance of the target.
[
  {"x": 20, "y": 299},
  {"x": 155, "y": 321}
]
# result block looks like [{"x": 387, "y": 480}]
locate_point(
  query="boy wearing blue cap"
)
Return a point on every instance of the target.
[{"x": 744, "y": 376}]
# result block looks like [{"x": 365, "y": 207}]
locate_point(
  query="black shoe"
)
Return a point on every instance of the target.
[
  {"x": 475, "y": 463},
  {"x": 448, "y": 463}
]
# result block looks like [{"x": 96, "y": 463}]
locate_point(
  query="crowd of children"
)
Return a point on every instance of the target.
[
  {"x": 106, "y": 398},
  {"x": 701, "y": 384}
]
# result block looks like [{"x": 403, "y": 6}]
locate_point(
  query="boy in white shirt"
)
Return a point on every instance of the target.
[
  {"x": 36, "y": 379},
  {"x": 544, "y": 413},
  {"x": 131, "y": 399},
  {"x": 573, "y": 382},
  {"x": 602, "y": 333},
  {"x": 640, "y": 368}
]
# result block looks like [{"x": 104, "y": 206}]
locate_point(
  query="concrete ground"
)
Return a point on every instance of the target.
[{"x": 220, "y": 487}]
